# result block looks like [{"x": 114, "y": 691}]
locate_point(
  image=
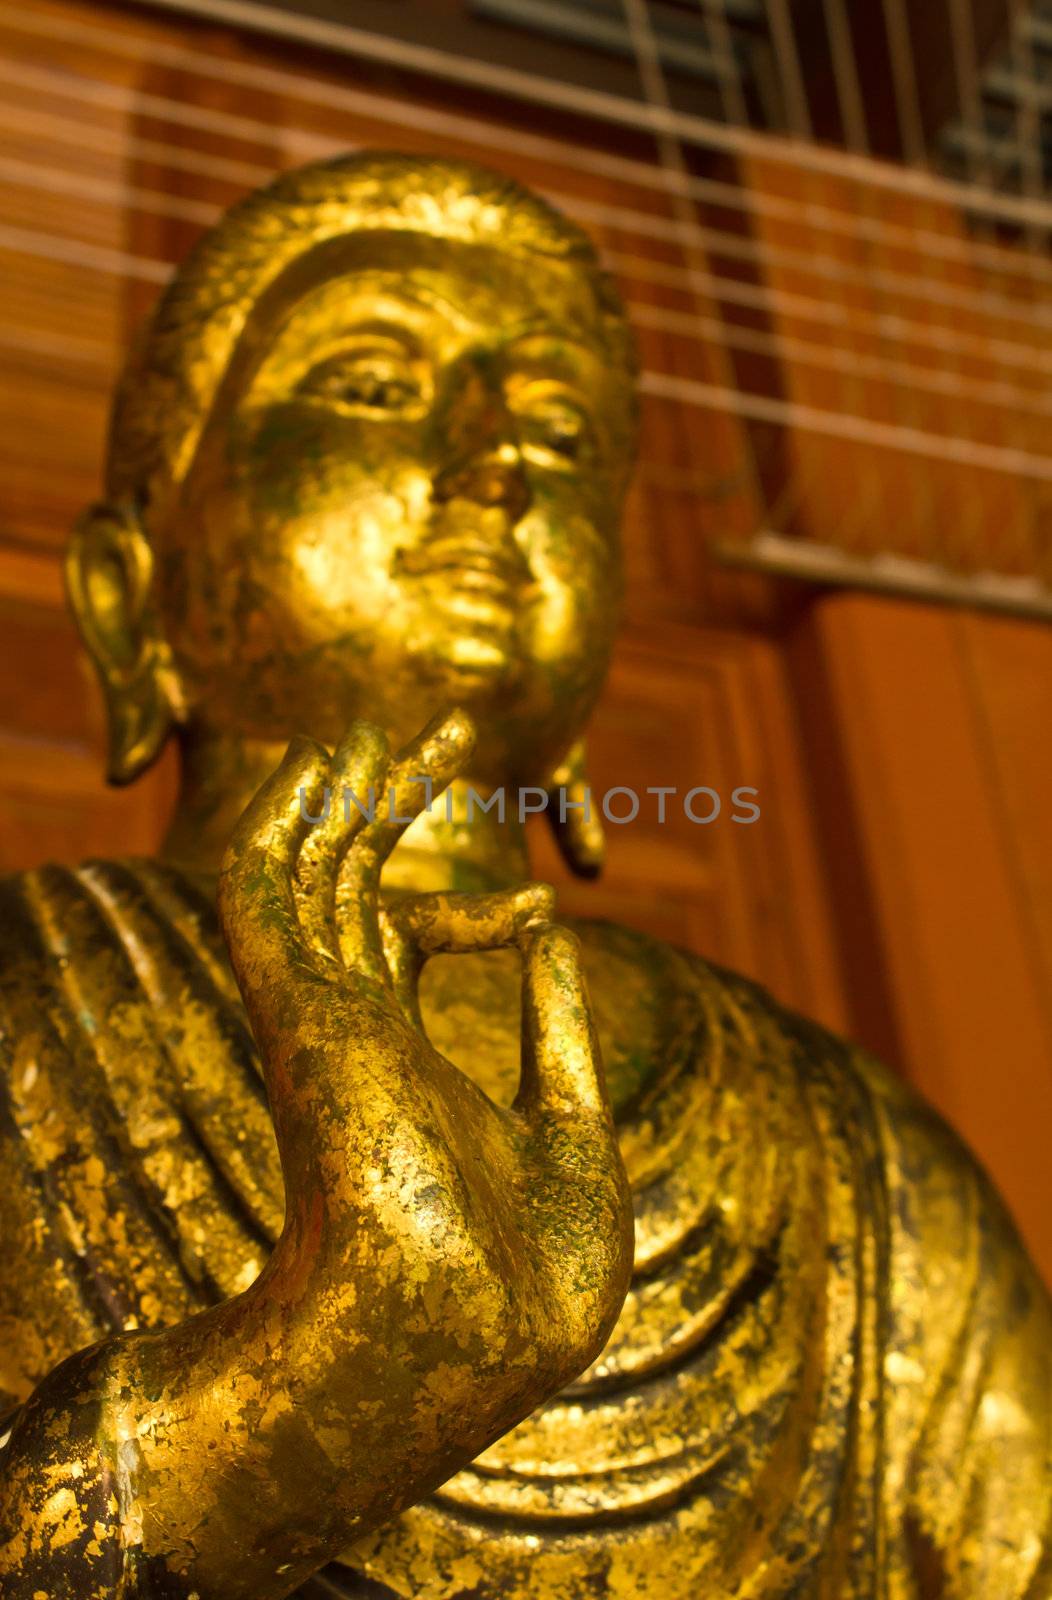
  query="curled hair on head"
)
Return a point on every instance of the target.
[{"x": 177, "y": 367}]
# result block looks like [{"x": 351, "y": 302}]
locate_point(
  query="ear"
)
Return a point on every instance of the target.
[
  {"x": 580, "y": 838},
  {"x": 109, "y": 575}
]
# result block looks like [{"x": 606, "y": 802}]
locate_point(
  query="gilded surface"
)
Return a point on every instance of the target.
[{"x": 319, "y": 1198}]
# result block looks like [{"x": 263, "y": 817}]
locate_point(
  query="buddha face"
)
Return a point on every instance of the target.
[{"x": 407, "y": 497}]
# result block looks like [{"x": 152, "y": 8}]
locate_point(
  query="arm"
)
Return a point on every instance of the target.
[{"x": 444, "y": 1265}]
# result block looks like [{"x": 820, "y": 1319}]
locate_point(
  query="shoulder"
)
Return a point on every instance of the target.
[
  {"x": 968, "y": 1359},
  {"x": 137, "y": 1160},
  {"x": 54, "y": 913}
]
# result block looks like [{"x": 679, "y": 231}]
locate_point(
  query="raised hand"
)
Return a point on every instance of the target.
[
  {"x": 461, "y": 1261},
  {"x": 444, "y": 1265}
]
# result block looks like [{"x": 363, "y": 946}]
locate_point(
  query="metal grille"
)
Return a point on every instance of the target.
[{"x": 840, "y": 275}]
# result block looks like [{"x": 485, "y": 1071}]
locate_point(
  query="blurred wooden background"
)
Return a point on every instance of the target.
[{"x": 837, "y": 350}]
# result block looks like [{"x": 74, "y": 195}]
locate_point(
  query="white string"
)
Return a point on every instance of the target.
[
  {"x": 906, "y": 375},
  {"x": 651, "y": 178},
  {"x": 797, "y": 112},
  {"x": 118, "y": 97},
  {"x": 75, "y": 253},
  {"x": 966, "y": 71},
  {"x": 120, "y": 194},
  {"x": 928, "y": 531},
  {"x": 1028, "y": 133},
  {"x": 242, "y": 174},
  {"x": 904, "y": 79},
  {"x": 845, "y": 74},
  {"x": 656, "y": 90},
  {"x": 923, "y": 487},
  {"x": 1025, "y": 356},
  {"x": 80, "y": 136},
  {"x": 687, "y": 324},
  {"x": 104, "y": 191},
  {"x": 732, "y": 94},
  {"x": 100, "y": 362},
  {"x": 940, "y": 296},
  {"x": 884, "y": 435},
  {"x": 1027, "y": 115},
  {"x": 682, "y": 230},
  {"x": 122, "y": 264},
  {"x": 692, "y": 129},
  {"x": 64, "y": 347},
  {"x": 977, "y": 154}
]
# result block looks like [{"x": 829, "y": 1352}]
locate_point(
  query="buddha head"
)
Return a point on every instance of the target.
[{"x": 367, "y": 459}]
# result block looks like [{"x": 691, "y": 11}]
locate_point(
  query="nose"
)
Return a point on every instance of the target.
[
  {"x": 490, "y": 478},
  {"x": 483, "y": 461}
]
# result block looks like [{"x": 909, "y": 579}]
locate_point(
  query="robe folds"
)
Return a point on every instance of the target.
[{"x": 832, "y": 1376}]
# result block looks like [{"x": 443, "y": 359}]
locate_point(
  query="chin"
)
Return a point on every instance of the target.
[{"x": 480, "y": 664}]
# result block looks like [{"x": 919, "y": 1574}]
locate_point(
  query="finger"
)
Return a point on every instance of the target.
[
  {"x": 418, "y": 774},
  {"x": 257, "y": 907},
  {"x": 359, "y": 769},
  {"x": 420, "y": 925},
  {"x": 420, "y": 771},
  {"x": 458, "y": 923},
  {"x": 562, "y": 1069}
]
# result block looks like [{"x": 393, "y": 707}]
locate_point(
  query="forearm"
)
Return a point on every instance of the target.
[
  {"x": 445, "y": 1265},
  {"x": 232, "y": 1455}
]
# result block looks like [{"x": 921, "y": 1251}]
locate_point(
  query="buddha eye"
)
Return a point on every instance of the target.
[
  {"x": 554, "y": 430},
  {"x": 563, "y": 433},
  {"x": 367, "y": 381}
]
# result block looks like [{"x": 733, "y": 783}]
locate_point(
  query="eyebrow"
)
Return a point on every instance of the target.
[
  {"x": 379, "y": 327},
  {"x": 379, "y": 322},
  {"x": 557, "y": 342},
  {"x": 422, "y": 298}
]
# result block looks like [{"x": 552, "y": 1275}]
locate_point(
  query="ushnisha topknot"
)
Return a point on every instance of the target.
[{"x": 178, "y": 364}]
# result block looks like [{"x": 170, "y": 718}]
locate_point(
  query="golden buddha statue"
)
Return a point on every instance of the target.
[{"x": 319, "y": 1196}]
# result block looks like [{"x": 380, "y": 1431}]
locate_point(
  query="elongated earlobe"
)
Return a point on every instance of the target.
[
  {"x": 109, "y": 574},
  {"x": 575, "y": 821}
]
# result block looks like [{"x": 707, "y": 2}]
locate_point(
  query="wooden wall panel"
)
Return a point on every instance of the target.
[
  {"x": 693, "y": 707},
  {"x": 911, "y": 333},
  {"x": 942, "y": 796},
  {"x": 123, "y": 134}
]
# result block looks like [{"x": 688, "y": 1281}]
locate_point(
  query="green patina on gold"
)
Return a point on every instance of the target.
[{"x": 319, "y": 1198}]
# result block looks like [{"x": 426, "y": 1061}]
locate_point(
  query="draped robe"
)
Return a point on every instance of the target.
[{"x": 832, "y": 1375}]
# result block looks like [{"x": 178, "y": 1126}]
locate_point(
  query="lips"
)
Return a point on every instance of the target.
[
  {"x": 484, "y": 560},
  {"x": 470, "y": 551},
  {"x": 469, "y": 557}
]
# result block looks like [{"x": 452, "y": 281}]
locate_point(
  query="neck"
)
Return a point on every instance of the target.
[{"x": 455, "y": 846}]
